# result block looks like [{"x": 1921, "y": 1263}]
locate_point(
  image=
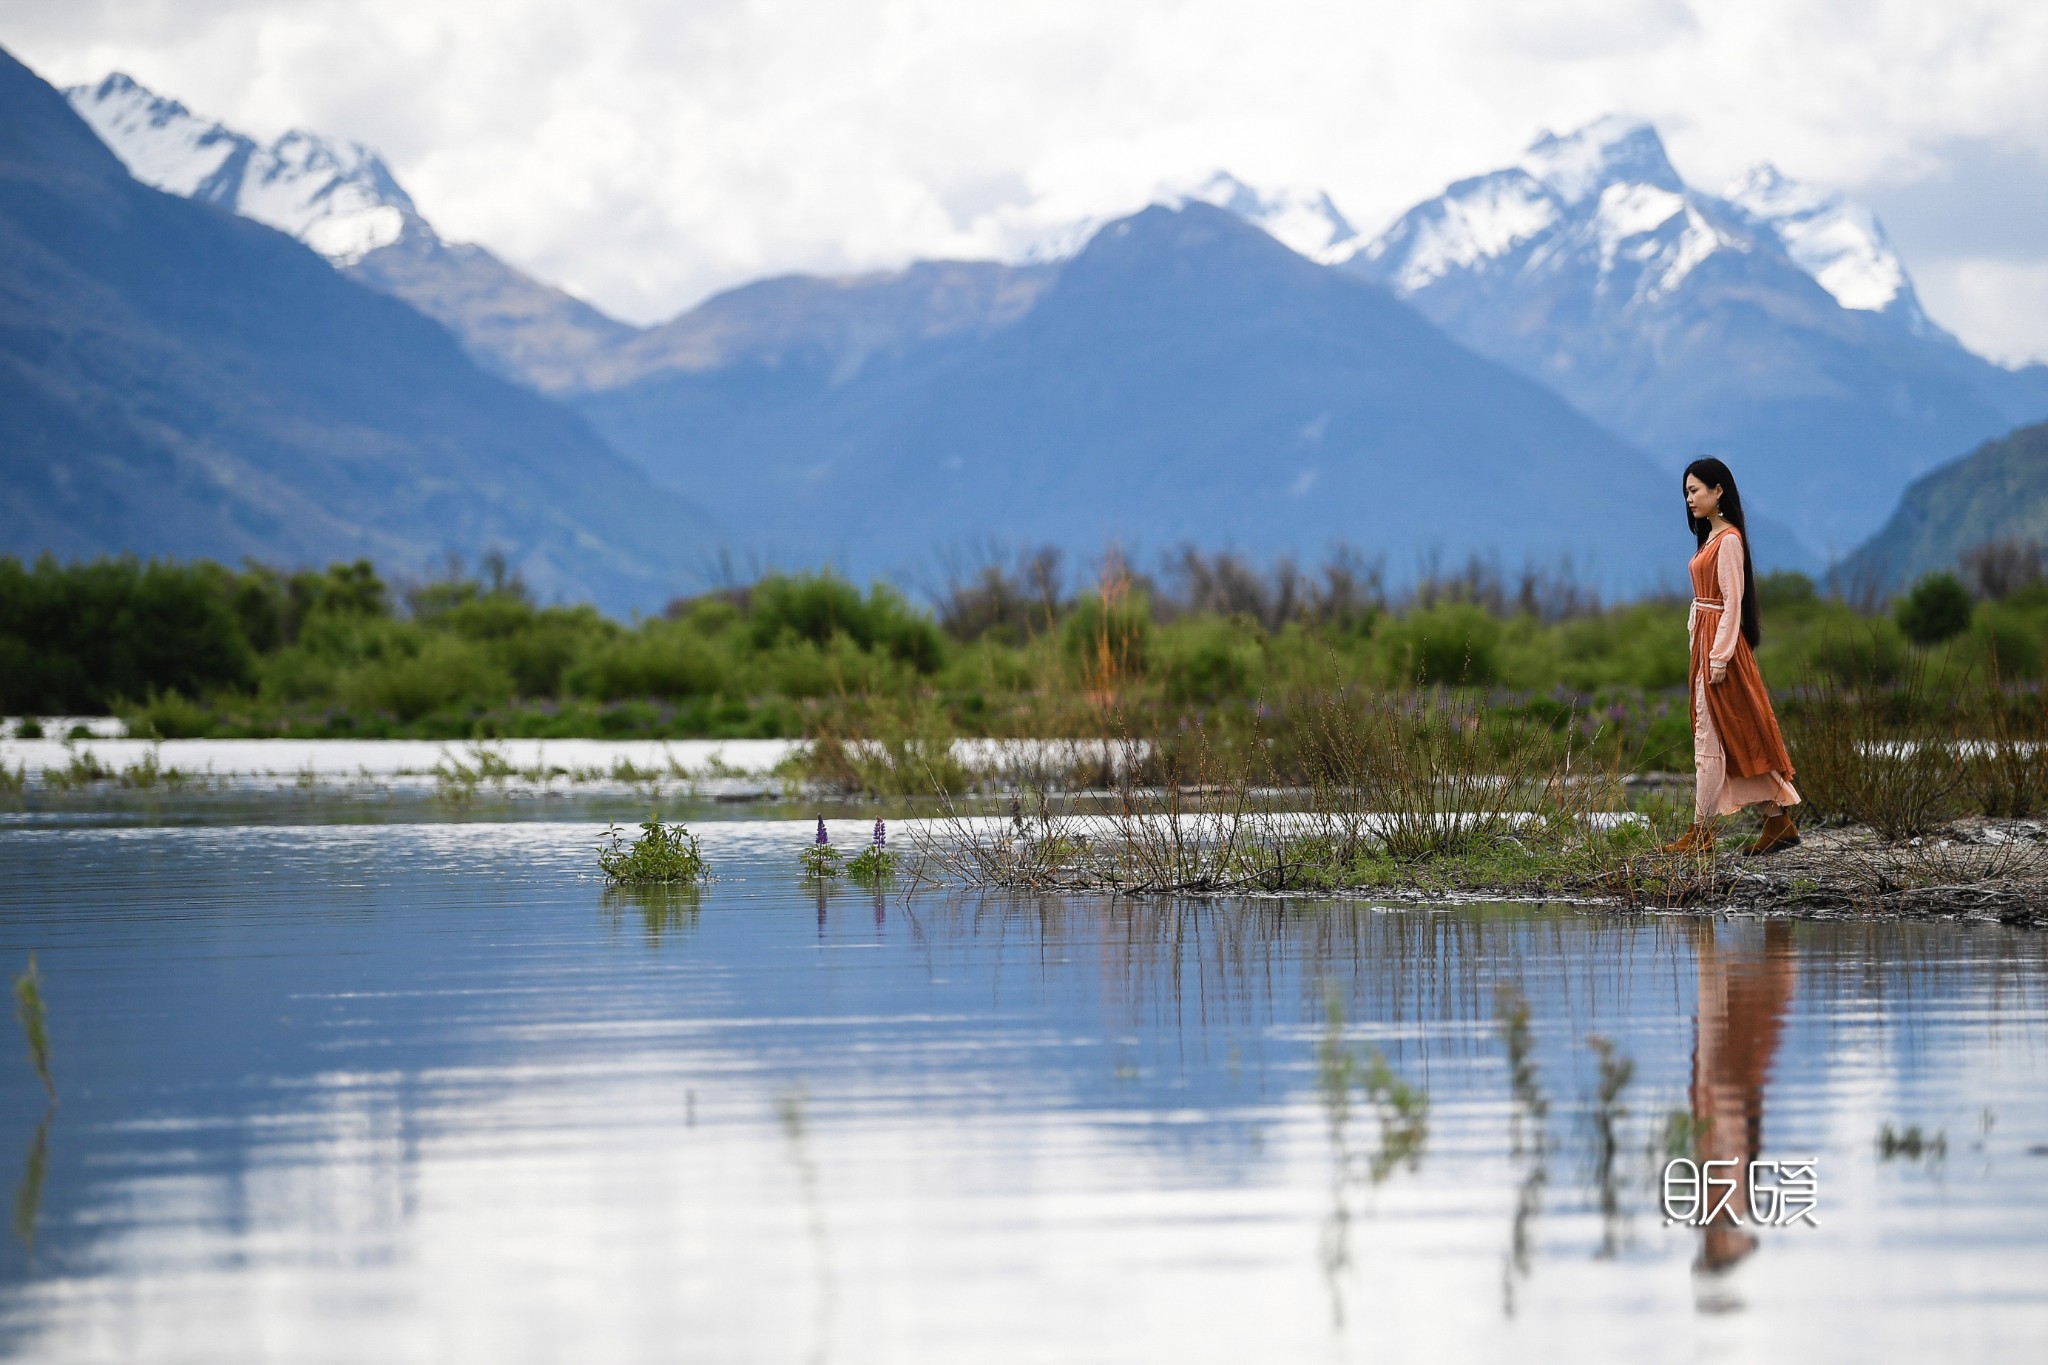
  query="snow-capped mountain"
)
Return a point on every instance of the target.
[
  {"x": 178, "y": 381},
  {"x": 1834, "y": 239},
  {"x": 1775, "y": 327},
  {"x": 1772, "y": 324},
  {"x": 340, "y": 199},
  {"x": 1303, "y": 220},
  {"x": 1604, "y": 204},
  {"x": 337, "y": 197}
]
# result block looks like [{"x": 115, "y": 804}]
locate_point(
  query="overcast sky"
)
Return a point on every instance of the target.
[{"x": 644, "y": 154}]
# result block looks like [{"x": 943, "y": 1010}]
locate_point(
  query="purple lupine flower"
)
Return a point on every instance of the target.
[
  {"x": 881, "y": 834},
  {"x": 821, "y": 831}
]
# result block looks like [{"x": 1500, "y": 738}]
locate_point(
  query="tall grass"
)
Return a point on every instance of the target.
[
  {"x": 28, "y": 1009},
  {"x": 1358, "y": 788},
  {"x": 1890, "y": 756},
  {"x": 2006, "y": 771}
]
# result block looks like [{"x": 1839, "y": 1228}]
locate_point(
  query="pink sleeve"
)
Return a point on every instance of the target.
[{"x": 1728, "y": 569}]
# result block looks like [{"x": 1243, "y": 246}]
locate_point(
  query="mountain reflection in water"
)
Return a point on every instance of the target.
[{"x": 432, "y": 1093}]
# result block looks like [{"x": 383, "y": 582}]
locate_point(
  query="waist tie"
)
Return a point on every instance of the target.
[{"x": 1700, "y": 603}]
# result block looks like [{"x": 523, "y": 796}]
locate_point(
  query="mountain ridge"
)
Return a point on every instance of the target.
[
  {"x": 179, "y": 380},
  {"x": 1773, "y": 324},
  {"x": 1996, "y": 492},
  {"x": 1686, "y": 323},
  {"x": 341, "y": 199},
  {"x": 1184, "y": 377}
]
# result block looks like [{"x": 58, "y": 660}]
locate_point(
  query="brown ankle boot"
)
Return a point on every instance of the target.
[
  {"x": 1698, "y": 839},
  {"x": 1778, "y": 832}
]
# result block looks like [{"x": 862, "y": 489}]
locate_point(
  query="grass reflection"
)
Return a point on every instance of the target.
[
  {"x": 1528, "y": 1137},
  {"x": 790, "y": 1116},
  {"x": 28, "y": 1192},
  {"x": 1403, "y": 1114},
  {"x": 1617, "y": 1071},
  {"x": 664, "y": 911}
]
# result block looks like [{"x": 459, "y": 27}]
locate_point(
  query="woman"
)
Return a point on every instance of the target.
[{"x": 1738, "y": 754}]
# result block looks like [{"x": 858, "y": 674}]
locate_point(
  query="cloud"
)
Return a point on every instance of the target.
[
  {"x": 645, "y": 154},
  {"x": 2005, "y": 300}
]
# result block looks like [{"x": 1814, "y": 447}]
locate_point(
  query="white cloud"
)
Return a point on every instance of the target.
[
  {"x": 2006, "y": 301},
  {"x": 647, "y": 153}
]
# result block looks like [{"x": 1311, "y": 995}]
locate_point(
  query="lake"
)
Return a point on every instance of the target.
[{"x": 429, "y": 1092}]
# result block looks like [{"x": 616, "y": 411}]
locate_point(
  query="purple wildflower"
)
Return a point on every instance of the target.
[
  {"x": 881, "y": 834},
  {"x": 821, "y": 831}
]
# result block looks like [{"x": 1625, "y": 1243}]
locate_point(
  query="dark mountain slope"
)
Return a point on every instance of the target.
[
  {"x": 1997, "y": 492},
  {"x": 1184, "y": 377},
  {"x": 175, "y": 380}
]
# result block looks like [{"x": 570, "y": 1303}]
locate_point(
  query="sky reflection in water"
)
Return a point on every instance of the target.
[{"x": 430, "y": 1093}]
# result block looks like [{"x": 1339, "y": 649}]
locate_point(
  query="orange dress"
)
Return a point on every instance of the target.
[
  {"x": 1739, "y": 756},
  {"x": 1743, "y": 1000}
]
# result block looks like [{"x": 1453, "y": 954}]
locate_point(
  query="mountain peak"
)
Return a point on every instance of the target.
[
  {"x": 1837, "y": 241},
  {"x": 1606, "y": 194},
  {"x": 337, "y": 197},
  {"x": 1192, "y": 225},
  {"x": 1305, "y": 221},
  {"x": 1613, "y": 149}
]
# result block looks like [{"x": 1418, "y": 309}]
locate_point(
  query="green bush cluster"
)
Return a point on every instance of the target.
[
  {"x": 74, "y": 637},
  {"x": 195, "y": 649},
  {"x": 663, "y": 855}
]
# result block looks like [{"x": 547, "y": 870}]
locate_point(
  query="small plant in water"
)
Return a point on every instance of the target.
[
  {"x": 875, "y": 863},
  {"x": 821, "y": 860},
  {"x": 662, "y": 854},
  {"x": 1911, "y": 1144},
  {"x": 28, "y": 1008}
]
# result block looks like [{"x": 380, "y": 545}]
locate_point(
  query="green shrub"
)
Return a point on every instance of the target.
[
  {"x": 874, "y": 864},
  {"x": 2014, "y": 634},
  {"x": 1643, "y": 645},
  {"x": 1786, "y": 593},
  {"x": 446, "y": 671},
  {"x": 659, "y": 660},
  {"x": 1858, "y": 653},
  {"x": 75, "y": 638},
  {"x": 168, "y": 715},
  {"x": 820, "y": 608},
  {"x": 1208, "y": 659},
  {"x": 662, "y": 854},
  {"x": 1937, "y": 609},
  {"x": 1456, "y": 644},
  {"x": 538, "y": 656}
]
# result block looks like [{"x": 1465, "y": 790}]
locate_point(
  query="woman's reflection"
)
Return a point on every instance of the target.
[{"x": 1742, "y": 1003}]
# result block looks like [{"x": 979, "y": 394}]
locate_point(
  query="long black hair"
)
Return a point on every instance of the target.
[{"x": 1714, "y": 474}]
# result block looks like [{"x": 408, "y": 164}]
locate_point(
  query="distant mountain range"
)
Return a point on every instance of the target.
[
  {"x": 178, "y": 380},
  {"x": 1772, "y": 324},
  {"x": 1185, "y": 377}
]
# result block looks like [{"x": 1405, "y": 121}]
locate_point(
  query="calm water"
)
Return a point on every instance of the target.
[{"x": 428, "y": 1093}]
